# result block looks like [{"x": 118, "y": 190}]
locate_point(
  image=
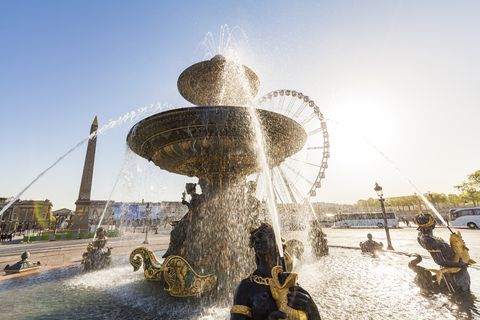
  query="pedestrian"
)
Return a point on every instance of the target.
[{"x": 10, "y": 237}]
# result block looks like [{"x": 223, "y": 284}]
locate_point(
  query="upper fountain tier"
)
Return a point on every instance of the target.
[
  {"x": 215, "y": 140},
  {"x": 218, "y": 82}
]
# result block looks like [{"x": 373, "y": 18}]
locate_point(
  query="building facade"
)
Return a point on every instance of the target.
[
  {"x": 134, "y": 213},
  {"x": 62, "y": 217},
  {"x": 26, "y": 214}
]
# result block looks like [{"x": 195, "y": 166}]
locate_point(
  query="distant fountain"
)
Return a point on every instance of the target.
[{"x": 96, "y": 258}]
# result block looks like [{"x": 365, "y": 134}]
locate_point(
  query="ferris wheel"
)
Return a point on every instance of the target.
[{"x": 298, "y": 177}]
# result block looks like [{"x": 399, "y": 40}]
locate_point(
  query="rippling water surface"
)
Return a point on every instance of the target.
[{"x": 346, "y": 285}]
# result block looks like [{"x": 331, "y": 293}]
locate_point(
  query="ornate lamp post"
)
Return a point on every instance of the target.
[
  {"x": 379, "y": 192},
  {"x": 149, "y": 209}
]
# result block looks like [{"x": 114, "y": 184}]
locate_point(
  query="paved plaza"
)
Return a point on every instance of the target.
[{"x": 58, "y": 253}]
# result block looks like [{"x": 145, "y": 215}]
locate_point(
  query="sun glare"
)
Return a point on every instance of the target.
[{"x": 360, "y": 119}]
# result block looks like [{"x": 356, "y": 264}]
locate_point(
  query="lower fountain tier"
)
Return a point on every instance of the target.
[{"x": 201, "y": 141}]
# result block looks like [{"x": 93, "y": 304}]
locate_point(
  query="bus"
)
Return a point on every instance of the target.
[
  {"x": 365, "y": 219},
  {"x": 468, "y": 217}
]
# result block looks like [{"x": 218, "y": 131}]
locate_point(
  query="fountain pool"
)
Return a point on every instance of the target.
[{"x": 347, "y": 284}]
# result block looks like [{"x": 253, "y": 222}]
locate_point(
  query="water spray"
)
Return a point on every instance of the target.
[
  {"x": 132, "y": 116},
  {"x": 110, "y": 198},
  {"x": 430, "y": 205},
  {"x": 272, "y": 208}
]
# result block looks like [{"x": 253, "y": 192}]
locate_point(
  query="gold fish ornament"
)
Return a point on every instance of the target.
[
  {"x": 460, "y": 249},
  {"x": 279, "y": 293}
]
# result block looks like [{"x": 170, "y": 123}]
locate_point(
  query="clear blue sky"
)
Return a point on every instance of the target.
[{"x": 404, "y": 74}]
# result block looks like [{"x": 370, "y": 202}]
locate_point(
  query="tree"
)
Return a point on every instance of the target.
[
  {"x": 474, "y": 178},
  {"x": 436, "y": 198},
  {"x": 53, "y": 221},
  {"x": 469, "y": 191},
  {"x": 454, "y": 199},
  {"x": 368, "y": 205},
  {"x": 471, "y": 188}
]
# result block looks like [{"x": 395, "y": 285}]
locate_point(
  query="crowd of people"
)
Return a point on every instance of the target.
[{"x": 4, "y": 237}]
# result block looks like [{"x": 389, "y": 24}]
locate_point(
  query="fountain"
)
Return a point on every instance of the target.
[
  {"x": 96, "y": 258},
  {"x": 215, "y": 144}
]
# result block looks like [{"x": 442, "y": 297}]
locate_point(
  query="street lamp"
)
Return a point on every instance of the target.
[
  {"x": 379, "y": 192},
  {"x": 148, "y": 210}
]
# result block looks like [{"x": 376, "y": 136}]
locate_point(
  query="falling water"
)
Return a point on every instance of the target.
[
  {"x": 262, "y": 159},
  {"x": 132, "y": 116},
  {"x": 227, "y": 46},
  {"x": 111, "y": 194},
  {"x": 260, "y": 147},
  {"x": 313, "y": 211}
]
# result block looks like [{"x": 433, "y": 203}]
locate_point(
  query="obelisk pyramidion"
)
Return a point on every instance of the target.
[{"x": 80, "y": 220}]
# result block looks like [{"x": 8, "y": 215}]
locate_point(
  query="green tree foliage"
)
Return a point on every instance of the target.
[
  {"x": 470, "y": 191},
  {"x": 474, "y": 179},
  {"x": 436, "y": 198},
  {"x": 53, "y": 221},
  {"x": 368, "y": 205},
  {"x": 455, "y": 199},
  {"x": 406, "y": 203}
]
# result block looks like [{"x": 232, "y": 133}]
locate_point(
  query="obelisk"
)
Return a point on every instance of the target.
[{"x": 80, "y": 221}]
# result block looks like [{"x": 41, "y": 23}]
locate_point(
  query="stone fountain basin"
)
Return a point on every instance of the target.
[
  {"x": 196, "y": 141},
  {"x": 347, "y": 284}
]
